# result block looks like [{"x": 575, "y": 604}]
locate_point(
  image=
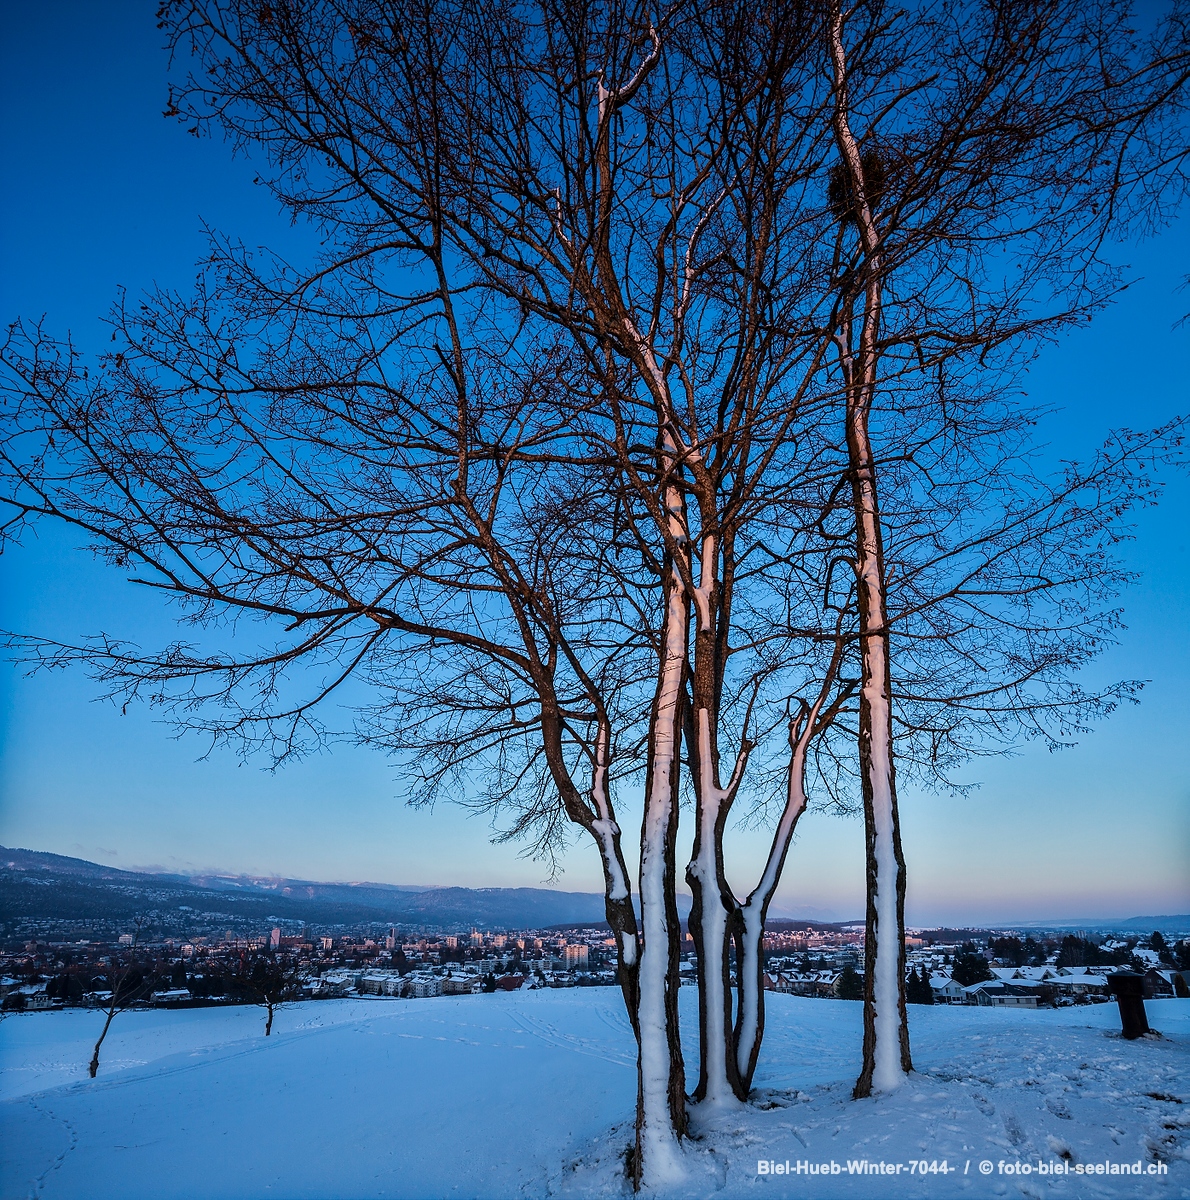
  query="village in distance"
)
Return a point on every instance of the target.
[{"x": 172, "y": 955}]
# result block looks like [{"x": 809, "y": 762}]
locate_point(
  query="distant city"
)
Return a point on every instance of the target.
[
  {"x": 141, "y": 944},
  {"x": 983, "y": 967}
]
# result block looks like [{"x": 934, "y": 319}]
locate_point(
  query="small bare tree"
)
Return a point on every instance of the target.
[
  {"x": 128, "y": 986},
  {"x": 265, "y": 979}
]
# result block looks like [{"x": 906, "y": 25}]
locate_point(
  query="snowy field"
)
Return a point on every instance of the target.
[{"x": 531, "y": 1093}]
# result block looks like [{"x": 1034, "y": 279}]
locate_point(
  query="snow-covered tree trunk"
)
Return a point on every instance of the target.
[
  {"x": 617, "y": 894},
  {"x": 749, "y": 926},
  {"x": 661, "y": 1091},
  {"x": 714, "y": 907},
  {"x": 749, "y": 1029},
  {"x": 886, "y": 1033},
  {"x": 597, "y": 816},
  {"x": 661, "y": 1076},
  {"x": 712, "y": 914},
  {"x": 712, "y": 919}
]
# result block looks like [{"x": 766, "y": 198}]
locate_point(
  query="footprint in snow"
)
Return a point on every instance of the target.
[{"x": 1012, "y": 1127}]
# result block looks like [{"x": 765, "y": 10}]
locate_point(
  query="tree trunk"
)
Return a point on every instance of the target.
[
  {"x": 661, "y": 1083},
  {"x": 617, "y": 895},
  {"x": 749, "y": 933},
  {"x": 621, "y": 918},
  {"x": 712, "y": 921},
  {"x": 94, "y": 1065},
  {"x": 886, "y": 1033},
  {"x": 268, "y": 1025},
  {"x": 713, "y": 914},
  {"x": 599, "y": 820}
]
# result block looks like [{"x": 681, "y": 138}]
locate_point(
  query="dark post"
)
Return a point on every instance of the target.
[{"x": 1128, "y": 989}]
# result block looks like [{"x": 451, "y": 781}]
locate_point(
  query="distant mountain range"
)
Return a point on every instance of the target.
[
  {"x": 37, "y": 886},
  {"x": 52, "y": 887},
  {"x": 40, "y": 887},
  {"x": 1167, "y": 923}
]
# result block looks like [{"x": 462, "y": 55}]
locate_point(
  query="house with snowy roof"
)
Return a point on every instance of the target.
[
  {"x": 461, "y": 985},
  {"x": 420, "y": 986},
  {"x": 1178, "y": 982},
  {"x": 995, "y": 993},
  {"x": 1070, "y": 981},
  {"x": 379, "y": 983},
  {"x": 1157, "y": 983},
  {"x": 803, "y": 983},
  {"x": 945, "y": 990}
]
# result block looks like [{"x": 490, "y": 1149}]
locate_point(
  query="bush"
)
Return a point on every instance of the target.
[
  {"x": 133, "y": 986},
  {"x": 917, "y": 988},
  {"x": 65, "y": 987},
  {"x": 851, "y": 985},
  {"x": 970, "y": 967},
  {"x": 267, "y": 980},
  {"x": 1009, "y": 950}
]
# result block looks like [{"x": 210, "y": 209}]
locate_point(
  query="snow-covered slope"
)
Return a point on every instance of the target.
[{"x": 531, "y": 1094}]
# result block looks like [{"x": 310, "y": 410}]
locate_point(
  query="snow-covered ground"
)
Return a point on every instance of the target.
[{"x": 531, "y": 1093}]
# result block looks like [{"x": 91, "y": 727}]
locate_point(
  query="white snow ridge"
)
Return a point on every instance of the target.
[{"x": 531, "y": 1094}]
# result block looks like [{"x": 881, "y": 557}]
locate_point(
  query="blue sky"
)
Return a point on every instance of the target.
[{"x": 101, "y": 192}]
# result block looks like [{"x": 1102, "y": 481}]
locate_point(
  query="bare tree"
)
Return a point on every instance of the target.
[
  {"x": 423, "y": 540},
  {"x": 555, "y": 254},
  {"x": 127, "y": 987},
  {"x": 689, "y": 274},
  {"x": 268, "y": 980},
  {"x": 985, "y": 156},
  {"x": 617, "y": 225},
  {"x": 471, "y": 522}
]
